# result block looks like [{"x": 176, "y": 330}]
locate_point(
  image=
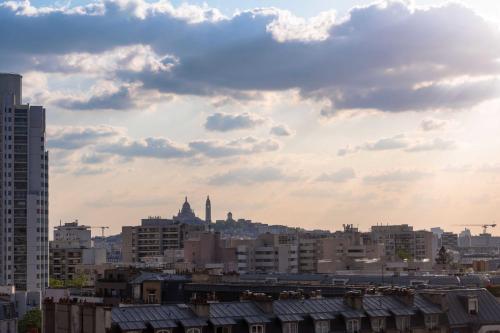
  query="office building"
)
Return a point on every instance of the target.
[{"x": 24, "y": 250}]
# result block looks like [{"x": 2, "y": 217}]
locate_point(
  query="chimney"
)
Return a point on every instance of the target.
[
  {"x": 263, "y": 301},
  {"x": 201, "y": 306},
  {"x": 407, "y": 296},
  {"x": 437, "y": 298},
  {"x": 354, "y": 299}
]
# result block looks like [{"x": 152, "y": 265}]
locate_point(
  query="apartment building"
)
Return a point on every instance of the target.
[
  {"x": 24, "y": 250},
  {"x": 402, "y": 242},
  {"x": 71, "y": 249},
  {"x": 309, "y": 250},
  {"x": 268, "y": 253},
  {"x": 449, "y": 240},
  {"x": 154, "y": 236}
]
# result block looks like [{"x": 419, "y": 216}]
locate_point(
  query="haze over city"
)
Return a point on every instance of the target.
[{"x": 312, "y": 116}]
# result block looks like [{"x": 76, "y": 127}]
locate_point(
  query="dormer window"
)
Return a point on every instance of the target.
[
  {"x": 257, "y": 329},
  {"x": 223, "y": 329},
  {"x": 431, "y": 320},
  {"x": 378, "y": 324},
  {"x": 403, "y": 323},
  {"x": 290, "y": 327},
  {"x": 193, "y": 330},
  {"x": 473, "y": 305},
  {"x": 353, "y": 325},
  {"x": 322, "y": 326}
]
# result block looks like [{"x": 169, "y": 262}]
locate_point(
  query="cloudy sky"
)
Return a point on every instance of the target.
[{"x": 307, "y": 115}]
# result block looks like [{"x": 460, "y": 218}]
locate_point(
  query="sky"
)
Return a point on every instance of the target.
[{"x": 310, "y": 114}]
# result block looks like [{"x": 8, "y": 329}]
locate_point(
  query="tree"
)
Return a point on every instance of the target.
[
  {"x": 79, "y": 282},
  {"x": 55, "y": 283},
  {"x": 443, "y": 258},
  {"x": 32, "y": 319},
  {"x": 403, "y": 254}
]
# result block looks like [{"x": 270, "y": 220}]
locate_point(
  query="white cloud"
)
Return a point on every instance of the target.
[
  {"x": 246, "y": 176},
  {"x": 396, "y": 176},
  {"x": 339, "y": 176}
]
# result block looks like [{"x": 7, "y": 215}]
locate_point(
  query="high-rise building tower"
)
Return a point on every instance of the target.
[
  {"x": 208, "y": 210},
  {"x": 24, "y": 246}
]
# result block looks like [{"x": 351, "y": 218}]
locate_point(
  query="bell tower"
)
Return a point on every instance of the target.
[{"x": 208, "y": 210}]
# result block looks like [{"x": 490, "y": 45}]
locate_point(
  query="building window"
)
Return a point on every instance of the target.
[
  {"x": 378, "y": 324},
  {"x": 322, "y": 326},
  {"x": 403, "y": 323},
  {"x": 257, "y": 329},
  {"x": 352, "y": 325},
  {"x": 431, "y": 320},
  {"x": 291, "y": 327},
  {"x": 163, "y": 331},
  {"x": 151, "y": 297},
  {"x": 223, "y": 329},
  {"x": 473, "y": 305},
  {"x": 193, "y": 330}
]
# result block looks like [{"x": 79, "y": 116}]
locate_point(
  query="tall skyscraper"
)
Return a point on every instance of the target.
[
  {"x": 24, "y": 246},
  {"x": 208, "y": 210}
]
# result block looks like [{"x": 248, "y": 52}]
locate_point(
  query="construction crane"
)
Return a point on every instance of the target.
[
  {"x": 484, "y": 226},
  {"x": 102, "y": 229}
]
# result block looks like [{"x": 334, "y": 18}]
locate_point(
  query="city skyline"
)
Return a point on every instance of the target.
[{"x": 341, "y": 113}]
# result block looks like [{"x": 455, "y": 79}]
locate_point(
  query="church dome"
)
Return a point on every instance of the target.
[{"x": 186, "y": 207}]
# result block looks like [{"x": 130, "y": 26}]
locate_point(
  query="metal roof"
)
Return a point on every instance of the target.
[
  {"x": 132, "y": 325},
  {"x": 150, "y": 313},
  {"x": 308, "y": 306},
  {"x": 322, "y": 316},
  {"x": 222, "y": 321},
  {"x": 350, "y": 314},
  {"x": 488, "y": 307},
  {"x": 234, "y": 309},
  {"x": 402, "y": 312},
  {"x": 163, "y": 324},
  {"x": 426, "y": 306},
  {"x": 289, "y": 317},
  {"x": 257, "y": 319},
  {"x": 378, "y": 313},
  {"x": 193, "y": 322}
]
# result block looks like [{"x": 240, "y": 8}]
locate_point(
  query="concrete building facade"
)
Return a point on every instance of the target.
[{"x": 24, "y": 250}]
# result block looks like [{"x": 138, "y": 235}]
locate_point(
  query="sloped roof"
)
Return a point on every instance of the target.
[
  {"x": 488, "y": 307},
  {"x": 307, "y": 306},
  {"x": 234, "y": 309}
]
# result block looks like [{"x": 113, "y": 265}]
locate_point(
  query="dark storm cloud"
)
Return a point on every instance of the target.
[
  {"x": 378, "y": 58},
  {"x": 223, "y": 122}
]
